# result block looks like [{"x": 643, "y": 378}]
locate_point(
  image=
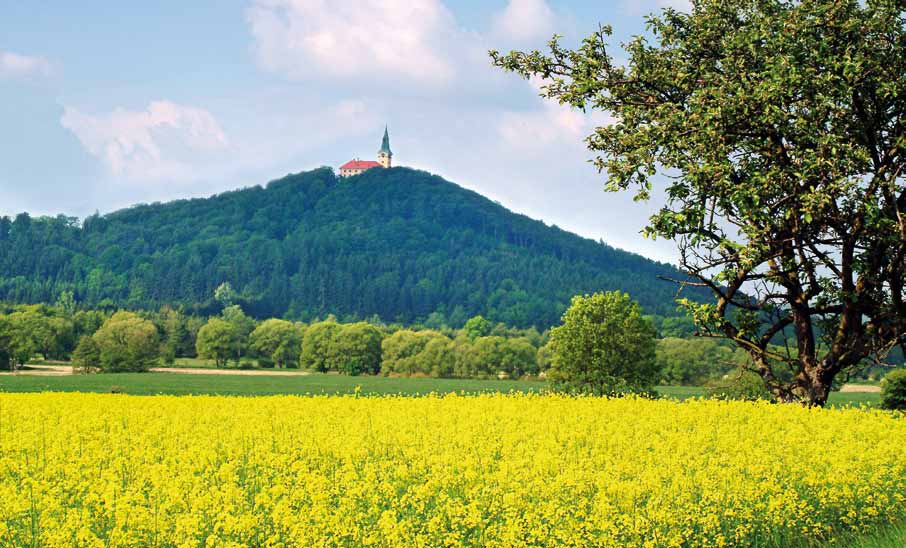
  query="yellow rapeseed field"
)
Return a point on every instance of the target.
[{"x": 81, "y": 470}]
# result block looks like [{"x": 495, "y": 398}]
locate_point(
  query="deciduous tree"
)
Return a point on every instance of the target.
[
  {"x": 317, "y": 344},
  {"x": 279, "y": 341},
  {"x": 218, "y": 340},
  {"x": 778, "y": 127},
  {"x": 127, "y": 342},
  {"x": 6, "y": 352},
  {"x": 356, "y": 349},
  {"x": 86, "y": 358},
  {"x": 604, "y": 346}
]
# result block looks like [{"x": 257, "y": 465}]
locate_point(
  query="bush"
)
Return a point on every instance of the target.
[
  {"x": 353, "y": 367},
  {"x": 893, "y": 390},
  {"x": 742, "y": 385}
]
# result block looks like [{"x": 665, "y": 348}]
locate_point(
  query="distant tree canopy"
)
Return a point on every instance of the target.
[
  {"x": 126, "y": 342},
  {"x": 219, "y": 340},
  {"x": 414, "y": 353},
  {"x": 6, "y": 351},
  {"x": 278, "y": 341},
  {"x": 399, "y": 243},
  {"x": 781, "y": 126},
  {"x": 86, "y": 358},
  {"x": 696, "y": 361}
]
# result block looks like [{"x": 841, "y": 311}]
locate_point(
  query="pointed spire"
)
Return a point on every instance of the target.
[{"x": 385, "y": 145}]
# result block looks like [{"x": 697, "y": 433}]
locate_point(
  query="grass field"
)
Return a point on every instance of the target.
[
  {"x": 316, "y": 383},
  {"x": 891, "y": 537}
]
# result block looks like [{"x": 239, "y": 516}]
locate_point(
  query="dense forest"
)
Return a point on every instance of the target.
[{"x": 401, "y": 244}]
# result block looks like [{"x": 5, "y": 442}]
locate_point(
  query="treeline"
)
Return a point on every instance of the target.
[
  {"x": 405, "y": 245},
  {"x": 136, "y": 341}
]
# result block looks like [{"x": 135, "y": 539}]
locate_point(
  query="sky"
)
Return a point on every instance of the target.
[{"x": 107, "y": 104}]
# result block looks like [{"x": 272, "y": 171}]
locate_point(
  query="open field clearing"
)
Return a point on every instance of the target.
[
  {"x": 85, "y": 470},
  {"x": 227, "y": 383}
]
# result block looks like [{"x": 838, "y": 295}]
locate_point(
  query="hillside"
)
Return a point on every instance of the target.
[{"x": 398, "y": 243}]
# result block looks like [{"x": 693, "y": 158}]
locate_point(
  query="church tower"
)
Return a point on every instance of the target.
[{"x": 385, "y": 155}]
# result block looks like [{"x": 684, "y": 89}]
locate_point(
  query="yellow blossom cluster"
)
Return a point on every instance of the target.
[{"x": 505, "y": 471}]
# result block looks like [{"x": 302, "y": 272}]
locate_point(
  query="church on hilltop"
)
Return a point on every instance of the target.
[{"x": 357, "y": 167}]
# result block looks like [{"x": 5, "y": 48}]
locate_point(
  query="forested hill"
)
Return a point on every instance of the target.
[{"x": 398, "y": 243}]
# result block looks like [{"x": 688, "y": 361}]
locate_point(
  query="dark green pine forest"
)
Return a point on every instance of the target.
[{"x": 401, "y": 244}]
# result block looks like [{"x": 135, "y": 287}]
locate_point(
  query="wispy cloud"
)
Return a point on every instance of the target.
[
  {"x": 525, "y": 20},
  {"x": 14, "y": 64},
  {"x": 370, "y": 40},
  {"x": 163, "y": 142}
]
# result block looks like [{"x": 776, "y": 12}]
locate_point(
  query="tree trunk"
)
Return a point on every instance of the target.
[{"x": 812, "y": 387}]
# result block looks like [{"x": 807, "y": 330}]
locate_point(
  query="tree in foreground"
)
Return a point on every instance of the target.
[
  {"x": 778, "y": 127},
  {"x": 127, "y": 342},
  {"x": 604, "y": 346}
]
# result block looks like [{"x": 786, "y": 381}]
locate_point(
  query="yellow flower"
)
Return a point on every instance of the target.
[{"x": 84, "y": 471}]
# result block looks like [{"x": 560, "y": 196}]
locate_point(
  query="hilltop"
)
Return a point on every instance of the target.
[{"x": 398, "y": 243}]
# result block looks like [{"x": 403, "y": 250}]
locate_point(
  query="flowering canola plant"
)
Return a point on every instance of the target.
[{"x": 84, "y": 470}]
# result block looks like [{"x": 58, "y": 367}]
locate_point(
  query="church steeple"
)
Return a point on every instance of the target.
[{"x": 385, "y": 155}]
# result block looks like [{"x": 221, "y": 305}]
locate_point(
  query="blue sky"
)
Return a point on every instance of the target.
[{"x": 106, "y": 104}]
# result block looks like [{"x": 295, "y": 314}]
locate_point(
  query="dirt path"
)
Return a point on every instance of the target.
[
  {"x": 860, "y": 388},
  {"x": 41, "y": 371},
  {"x": 61, "y": 370},
  {"x": 244, "y": 372}
]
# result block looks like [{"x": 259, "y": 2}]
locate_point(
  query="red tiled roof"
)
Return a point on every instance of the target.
[{"x": 360, "y": 164}]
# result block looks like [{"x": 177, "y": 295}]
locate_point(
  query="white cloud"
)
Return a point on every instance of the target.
[
  {"x": 525, "y": 20},
  {"x": 540, "y": 128},
  {"x": 163, "y": 142},
  {"x": 371, "y": 40},
  {"x": 550, "y": 124},
  {"x": 14, "y": 64}
]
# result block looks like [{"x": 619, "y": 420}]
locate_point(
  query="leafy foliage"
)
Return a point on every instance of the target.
[
  {"x": 693, "y": 362},
  {"x": 220, "y": 341},
  {"x": 399, "y": 243},
  {"x": 317, "y": 344},
  {"x": 356, "y": 349},
  {"x": 86, "y": 358},
  {"x": 127, "y": 342},
  {"x": 416, "y": 353},
  {"x": 279, "y": 341},
  {"x": 781, "y": 125},
  {"x": 6, "y": 351},
  {"x": 893, "y": 390},
  {"x": 742, "y": 384},
  {"x": 604, "y": 346}
]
